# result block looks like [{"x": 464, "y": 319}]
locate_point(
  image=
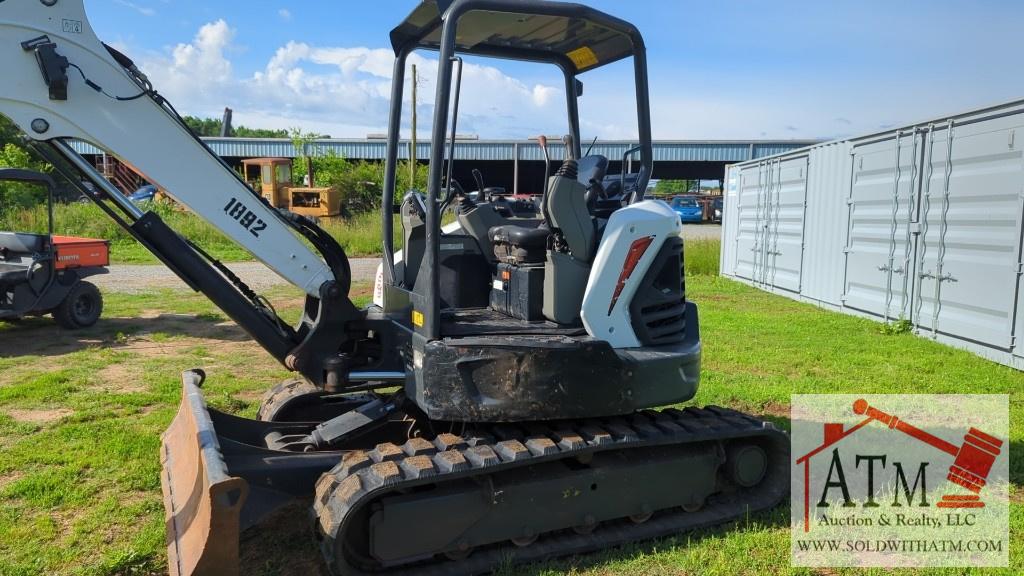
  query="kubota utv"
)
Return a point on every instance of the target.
[
  {"x": 45, "y": 273},
  {"x": 496, "y": 404}
]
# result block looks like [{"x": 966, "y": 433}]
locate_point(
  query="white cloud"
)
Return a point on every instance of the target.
[
  {"x": 284, "y": 14},
  {"x": 341, "y": 91},
  {"x": 144, "y": 10}
]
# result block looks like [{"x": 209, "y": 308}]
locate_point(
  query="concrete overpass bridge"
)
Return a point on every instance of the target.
[{"x": 517, "y": 165}]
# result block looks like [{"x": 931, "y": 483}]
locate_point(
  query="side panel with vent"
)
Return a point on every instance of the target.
[
  {"x": 630, "y": 248},
  {"x": 658, "y": 309}
]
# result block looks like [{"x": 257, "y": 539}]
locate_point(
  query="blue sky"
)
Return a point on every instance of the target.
[{"x": 723, "y": 69}]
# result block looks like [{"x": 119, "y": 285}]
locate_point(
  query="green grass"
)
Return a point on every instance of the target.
[
  {"x": 701, "y": 256},
  {"x": 81, "y": 415},
  {"x": 358, "y": 235}
]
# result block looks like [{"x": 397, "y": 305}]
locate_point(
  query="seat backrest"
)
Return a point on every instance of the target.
[
  {"x": 22, "y": 243},
  {"x": 591, "y": 168},
  {"x": 568, "y": 212}
]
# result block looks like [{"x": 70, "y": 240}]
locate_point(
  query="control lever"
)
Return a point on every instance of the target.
[
  {"x": 479, "y": 179},
  {"x": 542, "y": 140}
]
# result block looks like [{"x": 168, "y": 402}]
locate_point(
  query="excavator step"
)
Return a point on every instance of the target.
[{"x": 467, "y": 503}]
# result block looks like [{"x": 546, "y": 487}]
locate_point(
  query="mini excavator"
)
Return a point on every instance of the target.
[{"x": 498, "y": 403}]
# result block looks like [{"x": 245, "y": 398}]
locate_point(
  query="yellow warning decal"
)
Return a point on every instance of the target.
[
  {"x": 417, "y": 318},
  {"x": 583, "y": 57}
]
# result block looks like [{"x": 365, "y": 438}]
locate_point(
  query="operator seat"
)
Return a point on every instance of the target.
[
  {"x": 519, "y": 244},
  {"x": 18, "y": 253},
  {"x": 571, "y": 213}
]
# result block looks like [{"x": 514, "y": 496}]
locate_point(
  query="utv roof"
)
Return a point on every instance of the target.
[{"x": 576, "y": 37}]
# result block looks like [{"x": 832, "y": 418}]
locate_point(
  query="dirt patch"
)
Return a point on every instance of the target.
[
  {"x": 10, "y": 478},
  {"x": 149, "y": 348},
  {"x": 121, "y": 378},
  {"x": 249, "y": 396},
  {"x": 361, "y": 291},
  {"x": 188, "y": 325},
  {"x": 776, "y": 409},
  {"x": 39, "y": 416},
  {"x": 151, "y": 327},
  {"x": 282, "y": 544}
]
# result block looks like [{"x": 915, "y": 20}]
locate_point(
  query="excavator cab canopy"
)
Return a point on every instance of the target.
[{"x": 573, "y": 37}]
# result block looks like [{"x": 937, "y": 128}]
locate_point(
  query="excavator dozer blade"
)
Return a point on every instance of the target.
[{"x": 201, "y": 500}]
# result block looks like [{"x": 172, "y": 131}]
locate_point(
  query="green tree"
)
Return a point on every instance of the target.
[
  {"x": 361, "y": 182},
  {"x": 13, "y": 194},
  {"x": 301, "y": 141},
  {"x": 246, "y": 132},
  {"x": 9, "y": 133},
  {"x": 211, "y": 127},
  {"x": 669, "y": 187}
]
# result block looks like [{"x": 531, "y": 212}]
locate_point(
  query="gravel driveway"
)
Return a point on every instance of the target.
[{"x": 136, "y": 278}]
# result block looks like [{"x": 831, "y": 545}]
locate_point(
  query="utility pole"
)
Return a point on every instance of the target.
[{"x": 412, "y": 142}]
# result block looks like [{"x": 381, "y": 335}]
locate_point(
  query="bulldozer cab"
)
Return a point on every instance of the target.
[
  {"x": 271, "y": 176},
  {"x": 571, "y": 37}
]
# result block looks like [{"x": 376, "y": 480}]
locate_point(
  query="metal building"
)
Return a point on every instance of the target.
[
  {"x": 518, "y": 165},
  {"x": 921, "y": 223}
]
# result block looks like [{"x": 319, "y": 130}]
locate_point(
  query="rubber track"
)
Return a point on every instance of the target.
[{"x": 364, "y": 476}]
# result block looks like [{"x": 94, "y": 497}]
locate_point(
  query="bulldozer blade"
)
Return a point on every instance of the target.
[{"x": 201, "y": 500}]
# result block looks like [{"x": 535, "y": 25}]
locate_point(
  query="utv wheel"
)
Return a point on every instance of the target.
[
  {"x": 295, "y": 400},
  {"x": 81, "y": 308}
]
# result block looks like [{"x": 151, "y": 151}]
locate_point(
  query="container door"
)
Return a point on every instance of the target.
[
  {"x": 750, "y": 222},
  {"x": 969, "y": 247},
  {"x": 730, "y": 198},
  {"x": 784, "y": 225},
  {"x": 882, "y": 220}
]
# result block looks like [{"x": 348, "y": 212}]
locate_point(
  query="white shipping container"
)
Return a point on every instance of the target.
[{"x": 920, "y": 224}]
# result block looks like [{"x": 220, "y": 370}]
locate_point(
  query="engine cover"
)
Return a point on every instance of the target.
[{"x": 633, "y": 239}]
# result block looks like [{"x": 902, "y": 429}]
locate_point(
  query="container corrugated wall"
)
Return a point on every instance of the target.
[
  {"x": 828, "y": 172},
  {"x": 922, "y": 224}
]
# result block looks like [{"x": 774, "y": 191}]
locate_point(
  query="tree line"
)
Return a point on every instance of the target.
[{"x": 212, "y": 126}]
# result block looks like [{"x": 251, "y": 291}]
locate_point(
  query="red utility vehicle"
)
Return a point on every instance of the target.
[{"x": 44, "y": 274}]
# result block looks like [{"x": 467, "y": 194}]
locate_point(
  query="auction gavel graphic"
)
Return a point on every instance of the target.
[{"x": 972, "y": 460}]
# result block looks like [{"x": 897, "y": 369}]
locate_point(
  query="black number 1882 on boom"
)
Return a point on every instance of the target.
[{"x": 245, "y": 217}]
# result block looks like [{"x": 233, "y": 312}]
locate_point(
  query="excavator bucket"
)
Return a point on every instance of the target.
[{"x": 201, "y": 500}]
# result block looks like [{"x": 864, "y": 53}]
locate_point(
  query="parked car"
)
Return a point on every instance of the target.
[
  {"x": 688, "y": 209},
  {"x": 144, "y": 194},
  {"x": 716, "y": 210}
]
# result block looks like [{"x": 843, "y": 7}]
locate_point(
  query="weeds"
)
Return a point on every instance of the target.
[
  {"x": 701, "y": 256},
  {"x": 901, "y": 326}
]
